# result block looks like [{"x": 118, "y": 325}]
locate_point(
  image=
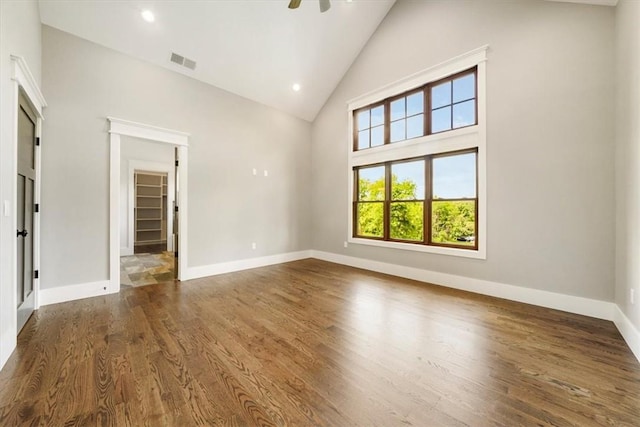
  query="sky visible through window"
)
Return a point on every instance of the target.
[
  {"x": 453, "y": 104},
  {"x": 454, "y": 177}
]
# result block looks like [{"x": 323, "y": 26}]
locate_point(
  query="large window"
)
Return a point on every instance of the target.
[
  {"x": 431, "y": 200},
  {"x": 451, "y": 103},
  {"x": 417, "y": 163}
]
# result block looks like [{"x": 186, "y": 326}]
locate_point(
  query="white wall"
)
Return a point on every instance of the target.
[
  {"x": 228, "y": 207},
  {"x": 19, "y": 35},
  {"x": 628, "y": 158},
  {"x": 549, "y": 141},
  {"x": 137, "y": 150}
]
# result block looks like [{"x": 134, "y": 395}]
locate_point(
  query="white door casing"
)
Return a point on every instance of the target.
[
  {"x": 25, "y": 82},
  {"x": 117, "y": 128}
]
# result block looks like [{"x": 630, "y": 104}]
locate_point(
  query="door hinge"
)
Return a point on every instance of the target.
[
  {"x": 36, "y": 208},
  {"x": 36, "y": 274},
  {"x": 176, "y": 209},
  {"x": 177, "y": 163},
  {"x": 175, "y": 254},
  {"x": 37, "y": 140}
]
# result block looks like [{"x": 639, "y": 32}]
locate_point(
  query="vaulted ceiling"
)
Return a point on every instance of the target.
[{"x": 257, "y": 49}]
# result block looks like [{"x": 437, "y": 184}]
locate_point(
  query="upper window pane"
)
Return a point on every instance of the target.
[
  {"x": 441, "y": 120},
  {"x": 415, "y": 104},
  {"x": 371, "y": 184},
  {"x": 377, "y": 136},
  {"x": 454, "y": 177},
  {"x": 441, "y": 95},
  {"x": 363, "y": 139},
  {"x": 464, "y": 114},
  {"x": 363, "y": 120},
  {"x": 398, "y": 131},
  {"x": 377, "y": 116},
  {"x": 398, "y": 109},
  {"x": 415, "y": 126},
  {"x": 464, "y": 88},
  {"x": 407, "y": 180}
]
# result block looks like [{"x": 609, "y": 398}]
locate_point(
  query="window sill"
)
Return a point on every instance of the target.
[
  {"x": 454, "y": 140},
  {"x": 464, "y": 253}
]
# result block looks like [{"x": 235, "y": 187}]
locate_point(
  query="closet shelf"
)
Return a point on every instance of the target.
[{"x": 149, "y": 186}]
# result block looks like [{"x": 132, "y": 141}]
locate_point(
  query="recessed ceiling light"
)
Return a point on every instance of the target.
[
  {"x": 148, "y": 16},
  {"x": 296, "y": 87}
]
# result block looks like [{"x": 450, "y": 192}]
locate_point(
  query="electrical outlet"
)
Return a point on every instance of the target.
[
  {"x": 253, "y": 245},
  {"x": 632, "y": 296},
  {"x": 255, "y": 171},
  {"x": 266, "y": 172},
  {"x": 346, "y": 244}
]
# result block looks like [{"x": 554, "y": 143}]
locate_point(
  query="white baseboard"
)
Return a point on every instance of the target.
[
  {"x": 628, "y": 331},
  {"x": 73, "y": 292},
  {"x": 244, "y": 264},
  {"x": 572, "y": 304}
]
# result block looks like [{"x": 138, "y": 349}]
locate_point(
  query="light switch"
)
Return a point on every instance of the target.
[
  {"x": 6, "y": 208},
  {"x": 266, "y": 172}
]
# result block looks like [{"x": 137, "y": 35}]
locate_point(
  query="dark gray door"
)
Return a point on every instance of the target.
[
  {"x": 176, "y": 214},
  {"x": 24, "y": 209}
]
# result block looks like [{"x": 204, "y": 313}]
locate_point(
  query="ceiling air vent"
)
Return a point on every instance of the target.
[
  {"x": 190, "y": 63},
  {"x": 181, "y": 60},
  {"x": 178, "y": 59}
]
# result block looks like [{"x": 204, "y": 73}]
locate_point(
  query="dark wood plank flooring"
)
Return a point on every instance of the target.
[{"x": 310, "y": 343}]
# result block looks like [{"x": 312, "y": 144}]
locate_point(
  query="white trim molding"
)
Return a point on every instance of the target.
[
  {"x": 22, "y": 75},
  {"x": 471, "y": 137},
  {"x": 245, "y": 264},
  {"x": 572, "y": 304},
  {"x": 118, "y": 128},
  {"x": 611, "y": 3},
  {"x": 145, "y": 131},
  {"x": 436, "y": 72},
  {"x": 628, "y": 331},
  {"x": 23, "y": 80},
  {"x": 73, "y": 292}
]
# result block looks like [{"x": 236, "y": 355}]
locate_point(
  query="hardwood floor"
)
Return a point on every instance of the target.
[{"x": 310, "y": 343}]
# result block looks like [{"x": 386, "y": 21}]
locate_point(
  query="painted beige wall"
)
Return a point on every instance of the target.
[
  {"x": 628, "y": 157},
  {"x": 19, "y": 35},
  {"x": 228, "y": 207},
  {"x": 549, "y": 142},
  {"x": 137, "y": 149}
]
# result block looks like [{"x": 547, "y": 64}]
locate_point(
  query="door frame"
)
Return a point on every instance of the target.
[
  {"x": 148, "y": 166},
  {"x": 25, "y": 82},
  {"x": 22, "y": 80},
  {"x": 118, "y": 128}
]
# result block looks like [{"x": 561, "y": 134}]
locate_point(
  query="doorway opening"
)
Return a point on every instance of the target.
[
  {"x": 148, "y": 181},
  {"x": 147, "y": 215}
]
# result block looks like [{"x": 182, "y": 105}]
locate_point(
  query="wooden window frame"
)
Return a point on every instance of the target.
[
  {"x": 427, "y": 201},
  {"x": 471, "y": 137},
  {"x": 356, "y": 131},
  {"x": 427, "y": 110}
]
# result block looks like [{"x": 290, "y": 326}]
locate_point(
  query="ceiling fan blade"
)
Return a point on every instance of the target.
[
  {"x": 294, "y": 4},
  {"x": 324, "y": 5}
]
